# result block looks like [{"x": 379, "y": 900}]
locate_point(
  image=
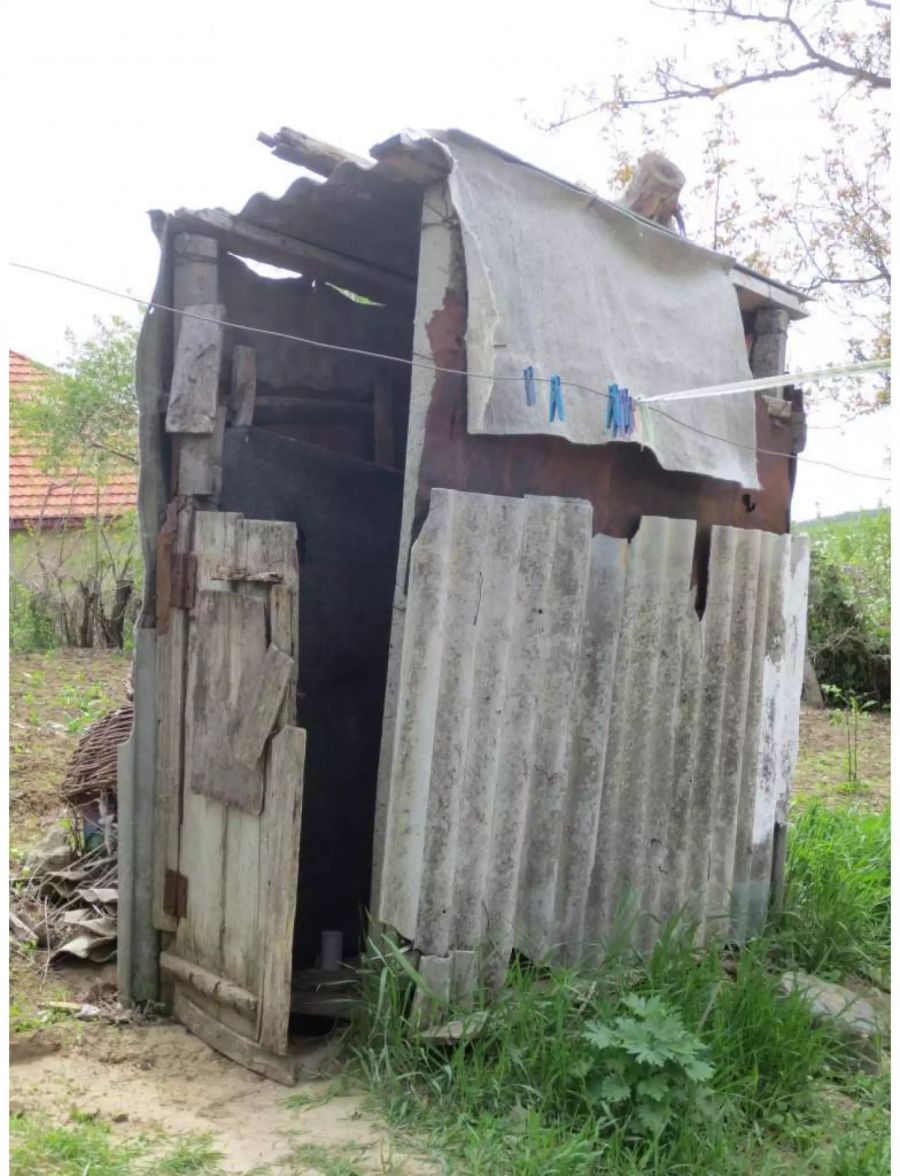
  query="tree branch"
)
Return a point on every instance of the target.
[
  {"x": 708, "y": 91},
  {"x": 820, "y": 60}
]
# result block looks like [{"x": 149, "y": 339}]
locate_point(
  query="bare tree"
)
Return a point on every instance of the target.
[{"x": 830, "y": 228}]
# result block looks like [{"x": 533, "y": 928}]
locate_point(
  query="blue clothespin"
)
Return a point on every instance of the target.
[
  {"x": 626, "y": 417},
  {"x": 620, "y": 412},
  {"x": 557, "y": 411},
  {"x": 612, "y": 409},
  {"x": 530, "y": 389}
]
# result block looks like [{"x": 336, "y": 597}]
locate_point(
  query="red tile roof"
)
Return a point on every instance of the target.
[{"x": 36, "y": 498}]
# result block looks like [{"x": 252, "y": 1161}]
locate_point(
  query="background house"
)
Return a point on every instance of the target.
[{"x": 72, "y": 545}]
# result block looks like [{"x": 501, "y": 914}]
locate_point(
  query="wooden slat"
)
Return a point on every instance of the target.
[
  {"x": 195, "y": 274},
  {"x": 217, "y": 446},
  {"x": 196, "y": 473},
  {"x": 228, "y": 654},
  {"x": 313, "y": 154},
  {"x": 171, "y": 653},
  {"x": 280, "y": 853},
  {"x": 165, "y": 545},
  {"x": 283, "y": 626},
  {"x": 261, "y": 697},
  {"x": 194, "y": 395},
  {"x": 243, "y": 385},
  {"x": 266, "y": 547},
  {"x": 233, "y": 1045},
  {"x": 208, "y": 983}
]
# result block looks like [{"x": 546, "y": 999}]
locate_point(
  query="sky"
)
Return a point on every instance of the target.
[{"x": 118, "y": 108}]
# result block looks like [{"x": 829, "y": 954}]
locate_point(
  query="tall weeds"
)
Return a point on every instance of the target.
[{"x": 669, "y": 1063}]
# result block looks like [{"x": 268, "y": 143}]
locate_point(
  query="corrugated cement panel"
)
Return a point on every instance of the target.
[{"x": 570, "y": 733}]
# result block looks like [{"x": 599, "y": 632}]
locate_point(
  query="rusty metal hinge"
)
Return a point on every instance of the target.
[
  {"x": 183, "y": 580},
  {"x": 175, "y": 892}
]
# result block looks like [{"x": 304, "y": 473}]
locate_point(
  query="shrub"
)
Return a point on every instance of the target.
[
  {"x": 849, "y": 619},
  {"x": 31, "y": 625}
]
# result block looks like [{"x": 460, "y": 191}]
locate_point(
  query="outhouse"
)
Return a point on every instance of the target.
[{"x": 429, "y": 635}]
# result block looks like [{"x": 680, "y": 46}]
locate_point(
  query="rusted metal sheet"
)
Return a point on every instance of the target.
[
  {"x": 569, "y": 731},
  {"x": 622, "y": 482}
]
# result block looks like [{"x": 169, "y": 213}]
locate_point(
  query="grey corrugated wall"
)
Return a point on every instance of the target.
[{"x": 569, "y": 732}]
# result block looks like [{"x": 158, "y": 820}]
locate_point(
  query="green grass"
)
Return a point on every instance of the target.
[
  {"x": 328, "y": 1161},
  {"x": 838, "y": 905},
  {"x": 86, "y": 1146},
  {"x": 530, "y": 1093}
]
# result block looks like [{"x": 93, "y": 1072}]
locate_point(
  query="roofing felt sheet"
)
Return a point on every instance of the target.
[{"x": 570, "y": 284}]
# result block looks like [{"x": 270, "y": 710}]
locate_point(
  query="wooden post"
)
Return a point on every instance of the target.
[
  {"x": 654, "y": 189},
  {"x": 195, "y": 277},
  {"x": 193, "y": 408},
  {"x": 768, "y": 356}
]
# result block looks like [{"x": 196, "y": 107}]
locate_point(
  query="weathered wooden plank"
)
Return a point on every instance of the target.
[
  {"x": 208, "y": 983},
  {"x": 260, "y": 704},
  {"x": 203, "y": 851},
  {"x": 243, "y": 576},
  {"x": 313, "y": 154},
  {"x": 151, "y": 385},
  {"x": 283, "y": 617},
  {"x": 195, "y": 273},
  {"x": 247, "y": 239},
  {"x": 241, "y": 955},
  {"x": 171, "y": 648},
  {"x": 266, "y": 547},
  {"x": 243, "y": 385},
  {"x": 194, "y": 394},
  {"x": 165, "y": 545},
  {"x": 196, "y": 471},
  {"x": 383, "y": 426},
  {"x": 228, "y": 651},
  {"x": 280, "y": 855},
  {"x": 230, "y": 1043},
  {"x": 215, "y": 542}
]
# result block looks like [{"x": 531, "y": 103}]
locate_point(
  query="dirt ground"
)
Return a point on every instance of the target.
[
  {"x": 53, "y": 697},
  {"x": 158, "y": 1075},
  {"x": 822, "y": 764},
  {"x": 153, "y": 1075}
]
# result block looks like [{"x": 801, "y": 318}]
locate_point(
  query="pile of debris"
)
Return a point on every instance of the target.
[{"x": 64, "y": 900}]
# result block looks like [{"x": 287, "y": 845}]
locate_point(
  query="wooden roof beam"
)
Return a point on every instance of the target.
[
  {"x": 247, "y": 239},
  {"x": 313, "y": 154}
]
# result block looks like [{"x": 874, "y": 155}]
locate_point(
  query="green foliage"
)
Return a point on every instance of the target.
[
  {"x": 849, "y": 626},
  {"x": 329, "y": 1161},
  {"x": 75, "y": 586},
  {"x": 838, "y": 902},
  {"x": 645, "y": 1065},
  {"x": 31, "y": 626},
  {"x": 665, "y": 1064},
  {"x": 81, "y": 421},
  {"x": 41, "y": 1147},
  {"x": 83, "y": 704},
  {"x": 84, "y": 416}
]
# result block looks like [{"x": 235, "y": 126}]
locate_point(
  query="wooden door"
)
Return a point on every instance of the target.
[{"x": 229, "y": 780}]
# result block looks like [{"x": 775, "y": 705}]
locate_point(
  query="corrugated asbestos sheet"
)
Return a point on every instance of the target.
[{"x": 570, "y": 733}]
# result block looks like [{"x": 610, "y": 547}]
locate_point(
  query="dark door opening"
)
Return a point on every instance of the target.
[{"x": 347, "y": 513}]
